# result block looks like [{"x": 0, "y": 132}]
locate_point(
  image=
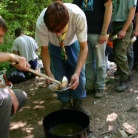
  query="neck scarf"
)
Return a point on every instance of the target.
[{"x": 61, "y": 40}]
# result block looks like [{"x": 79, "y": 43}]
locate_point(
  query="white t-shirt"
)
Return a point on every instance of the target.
[
  {"x": 77, "y": 28},
  {"x": 26, "y": 46}
]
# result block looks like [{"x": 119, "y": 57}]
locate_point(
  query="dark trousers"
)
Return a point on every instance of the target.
[
  {"x": 6, "y": 109},
  {"x": 120, "y": 50},
  {"x": 33, "y": 63}
]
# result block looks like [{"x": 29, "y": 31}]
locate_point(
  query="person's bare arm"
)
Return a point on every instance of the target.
[
  {"x": 20, "y": 62},
  {"x": 46, "y": 61},
  {"x": 81, "y": 61},
  {"x": 5, "y": 56},
  {"x": 107, "y": 19},
  {"x": 130, "y": 17},
  {"x": 15, "y": 102}
]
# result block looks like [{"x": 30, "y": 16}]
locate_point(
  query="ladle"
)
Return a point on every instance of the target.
[
  {"x": 59, "y": 88},
  {"x": 62, "y": 90},
  {"x": 43, "y": 75},
  {"x": 62, "y": 85}
]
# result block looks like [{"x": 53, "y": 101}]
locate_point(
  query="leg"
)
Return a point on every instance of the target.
[
  {"x": 90, "y": 67},
  {"x": 5, "y": 112},
  {"x": 60, "y": 69},
  {"x": 95, "y": 64},
  {"x": 130, "y": 56},
  {"x": 33, "y": 64},
  {"x": 120, "y": 51},
  {"x": 135, "y": 50},
  {"x": 100, "y": 67},
  {"x": 79, "y": 94},
  {"x": 21, "y": 96}
]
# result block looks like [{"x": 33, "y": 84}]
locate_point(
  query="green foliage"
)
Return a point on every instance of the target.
[
  {"x": 20, "y": 13},
  {"x": 4, "y": 65}
]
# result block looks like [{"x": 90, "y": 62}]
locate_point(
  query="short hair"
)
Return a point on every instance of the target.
[
  {"x": 18, "y": 32},
  {"x": 56, "y": 17},
  {"x": 3, "y": 24}
]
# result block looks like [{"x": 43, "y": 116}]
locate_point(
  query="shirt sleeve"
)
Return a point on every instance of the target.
[
  {"x": 14, "y": 47},
  {"x": 105, "y": 1},
  {"x": 41, "y": 37},
  {"x": 81, "y": 27},
  {"x": 132, "y": 3},
  {"x": 41, "y": 33},
  {"x": 137, "y": 7}
]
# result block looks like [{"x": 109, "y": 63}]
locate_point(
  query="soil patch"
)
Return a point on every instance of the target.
[{"x": 112, "y": 115}]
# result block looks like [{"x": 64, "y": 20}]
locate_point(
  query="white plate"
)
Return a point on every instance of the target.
[{"x": 62, "y": 90}]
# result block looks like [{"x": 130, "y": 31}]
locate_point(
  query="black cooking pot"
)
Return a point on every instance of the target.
[{"x": 67, "y": 116}]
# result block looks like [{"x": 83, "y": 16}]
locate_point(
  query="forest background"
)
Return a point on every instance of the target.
[
  {"x": 113, "y": 115},
  {"x": 20, "y": 13}
]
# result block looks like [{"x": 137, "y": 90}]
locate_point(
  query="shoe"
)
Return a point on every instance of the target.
[
  {"x": 90, "y": 91},
  {"x": 130, "y": 78},
  {"x": 78, "y": 105},
  {"x": 121, "y": 87},
  {"x": 66, "y": 105},
  {"x": 117, "y": 78},
  {"x": 115, "y": 73},
  {"x": 30, "y": 75},
  {"x": 99, "y": 93}
]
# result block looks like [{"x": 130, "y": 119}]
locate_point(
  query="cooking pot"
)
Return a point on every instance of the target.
[{"x": 71, "y": 117}]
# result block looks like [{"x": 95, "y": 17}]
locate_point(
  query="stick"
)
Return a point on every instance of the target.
[
  {"x": 40, "y": 74},
  {"x": 43, "y": 75}
]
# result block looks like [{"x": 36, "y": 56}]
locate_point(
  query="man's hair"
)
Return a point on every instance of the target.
[
  {"x": 18, "y": 32},
  {"x": 3, "y": 24},
  {"x": 56, "y": 17}
]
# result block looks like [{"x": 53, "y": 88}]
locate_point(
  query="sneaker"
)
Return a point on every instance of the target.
[
  {"x": 117, "y": 78},
  {"x": 129, "y": 77},
  {"x": 78, "y": 105},
  {"x": 121, "y": 87},
  {"x": 99, "y": 93},
  {"x": 66, "y": 105},
  {"x": 88, "y": 91},
  {"x": 116, "y": 73}
]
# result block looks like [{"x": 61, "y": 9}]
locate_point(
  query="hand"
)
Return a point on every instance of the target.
[
  {"x": 15, "y": 102},
  {"x": 102, "y": 39},
  {"x": 121, "y": 34},
  {"x": 135, "y": 33},
  {"x": 49, "y": 81},
  {"x": 74, "y": 81},
  {"x": 19, "y": 62}
]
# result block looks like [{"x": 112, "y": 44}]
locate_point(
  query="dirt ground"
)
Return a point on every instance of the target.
[{"x": 113, "y": 116}]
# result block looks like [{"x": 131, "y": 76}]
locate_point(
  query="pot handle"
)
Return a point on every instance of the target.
[{"x": 90, "y": 133}]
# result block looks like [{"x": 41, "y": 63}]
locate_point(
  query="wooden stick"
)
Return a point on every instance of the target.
[
  {"x": 40, "y": 74},
  {"x": 43, "y": 75}
]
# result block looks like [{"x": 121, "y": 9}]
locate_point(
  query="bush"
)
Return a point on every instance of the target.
[{"x": 20, "y": 13}]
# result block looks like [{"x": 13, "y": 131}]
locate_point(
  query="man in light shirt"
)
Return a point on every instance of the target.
[
  {"x": 26, "y": 47},
  {"x": 62, "y": 26}
]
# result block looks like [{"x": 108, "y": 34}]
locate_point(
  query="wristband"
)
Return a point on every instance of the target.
[{"x": 103, "y": 33}]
